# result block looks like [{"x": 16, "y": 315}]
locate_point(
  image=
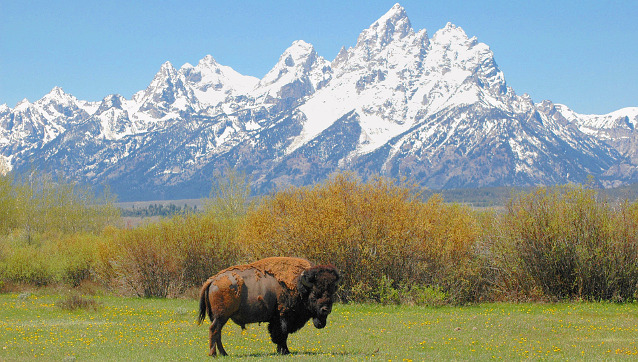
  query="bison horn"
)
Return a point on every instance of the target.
[{"x": 305, "y": 281}]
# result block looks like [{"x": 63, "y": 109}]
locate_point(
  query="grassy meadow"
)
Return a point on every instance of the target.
[{"x": 36, "y": 325}]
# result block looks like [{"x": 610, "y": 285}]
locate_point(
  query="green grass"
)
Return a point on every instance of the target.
[{"x": 36, "y": 326}]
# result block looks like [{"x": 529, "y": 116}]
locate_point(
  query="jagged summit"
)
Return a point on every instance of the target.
[
  {"x": 57, "y": 91},
  {"x": 208, "y": 59},
  {"x": 110, "y": 101},
  {"x": 167, "y": 69},
  {"x": 453, "y": 35},
  {"x": 58, "y": 95},
  {"x": 216, "y": 81},
  {"x": 22, "y": 104},
  {"x": 393, "y": 25},
  {"x": 399, "y": 103},
  {"x": 295, "y": 61},
  {"x": 299, "y": 72}
]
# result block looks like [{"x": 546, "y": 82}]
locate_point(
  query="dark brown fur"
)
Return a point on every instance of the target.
[{"x": 285, "y": 292}]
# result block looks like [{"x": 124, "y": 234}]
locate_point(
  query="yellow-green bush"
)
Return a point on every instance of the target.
[
  {"x": 180, "y": 253},
  {"x": 24, "y": 261},
  {"x": 8, "y": 217},
  {"x": 166, "y": 258},
  {"x": 76, "y": 255},
  {"x": 38, "y": 204},
  {"x": 49, "y": 229},
  {"x": 47, "y": 259},
  {"x": 566, "y": 242},
  {"x": 372, "y": 231}
]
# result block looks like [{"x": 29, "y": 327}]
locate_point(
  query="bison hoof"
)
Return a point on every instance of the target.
[{"x": 283, "y": 351}]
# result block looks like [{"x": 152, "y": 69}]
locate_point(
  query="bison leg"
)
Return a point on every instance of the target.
[
  {"x": 215, "y": 336},
  {"x": 278, "y": 336}
]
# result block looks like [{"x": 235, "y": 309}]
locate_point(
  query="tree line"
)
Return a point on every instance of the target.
[{"x": 158, "y": 210}]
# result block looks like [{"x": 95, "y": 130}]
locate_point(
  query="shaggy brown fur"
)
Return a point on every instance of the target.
[
  {"x": 285, "y": 292},
  {"x": 286, "y": 270}
]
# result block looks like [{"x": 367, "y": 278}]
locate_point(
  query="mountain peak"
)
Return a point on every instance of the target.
[
  {"x": 22, "y": 105},
  {"x": 208, "y": 59},
  {"x": 57, "y": 91},
  {"x": 395, "y": 14},
  {"x": 167, "y": 69},
  {"x": 166, "y": 74},
  {"x": 56, "y": 94},
  {"x": 216, "y": 80},
  {"x": 299, "y": 50},
  {"x": 298, "y": 73},
  {"x": 451, "y": 34},
  {"x": 295, "y": 61},
  {"x": 207, "y": 62},
  {"x": 391, "y": 26},
  {"x": 110, "y": 101}
]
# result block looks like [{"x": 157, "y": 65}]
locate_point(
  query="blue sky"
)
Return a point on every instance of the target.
[{"x": 580, "y": 53}]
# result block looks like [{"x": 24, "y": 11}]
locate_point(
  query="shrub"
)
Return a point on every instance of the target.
[
  {"x": 45, "y": 259},
  {"x": 38, "y": 204},
  {"x": 565, "y": 243},
  {"x": 172, "y": 255},
  {"x": 370, "y": 231},
  {"x": 76, "y": 257},
  {"x": 48, "y": 228},
  {"x": 75, "y": 302},
  {"x": 165, "y": 258},
  {"x": 8, "y": 217},
  {"x": 426, "y": 296},
  {"x": 386, "y": 292},
  {"x": 23, "y": 261}
]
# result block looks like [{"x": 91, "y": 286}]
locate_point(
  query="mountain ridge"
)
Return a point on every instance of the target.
[{"x": 398, "y": 103}]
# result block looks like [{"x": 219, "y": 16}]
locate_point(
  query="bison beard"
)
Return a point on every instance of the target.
[{"x": 285, "y": 292}]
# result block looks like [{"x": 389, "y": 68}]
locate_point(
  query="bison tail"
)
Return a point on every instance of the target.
[{"x": 204, "y": 303}]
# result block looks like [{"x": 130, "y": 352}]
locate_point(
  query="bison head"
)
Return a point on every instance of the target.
[{"x": 319, "y": 285}]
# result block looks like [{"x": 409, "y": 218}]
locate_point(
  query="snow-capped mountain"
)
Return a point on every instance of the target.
[{"x": 399, "y": 103}]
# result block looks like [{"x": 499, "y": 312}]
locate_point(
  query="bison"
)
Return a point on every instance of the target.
[{"x": 285, "y": 292}]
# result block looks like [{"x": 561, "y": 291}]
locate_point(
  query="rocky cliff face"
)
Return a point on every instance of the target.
[{"x": 400, "y": 103}]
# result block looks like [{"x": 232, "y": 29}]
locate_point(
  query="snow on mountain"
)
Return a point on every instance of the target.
[
  {"x": 214, "y": 82},
  {"x": 373, "y": 78},
  {"x": 392, "y": 26},
  {"x": 298, "y": 73},
  {"x": 398, "y": 103},
  {"x": 113, "y": 118},
  {"x": 166, "y": 95},
  {"x": 60, "y": 107},
  {"x": 603, "y": 126},
  {"x": 29, "y": 125},
  {"x": 394, "y": 76},
  {"x": 626, "y": 118},
  {"x": 616, "y": 129}
]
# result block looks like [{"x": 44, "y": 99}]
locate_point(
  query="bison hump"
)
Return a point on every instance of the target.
[{"x": 284, "y": 269}]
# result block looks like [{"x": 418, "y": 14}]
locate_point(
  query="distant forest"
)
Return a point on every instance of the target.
[
  {"x": 475, "y": 197},
  {"x": 499, "y": 196},
  {"x": 158, "y": 210}
]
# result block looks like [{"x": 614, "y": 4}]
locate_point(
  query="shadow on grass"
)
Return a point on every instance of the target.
[{"x": 302, "y": 354}]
